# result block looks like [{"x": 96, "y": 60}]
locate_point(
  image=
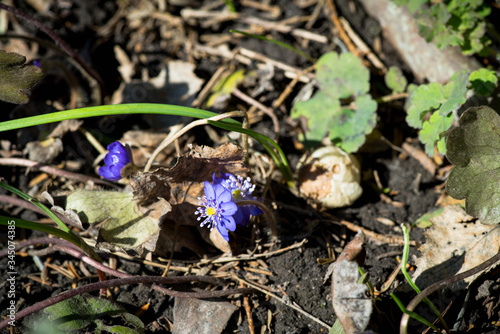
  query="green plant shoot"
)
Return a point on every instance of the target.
[{"x": 342, "y": 107}]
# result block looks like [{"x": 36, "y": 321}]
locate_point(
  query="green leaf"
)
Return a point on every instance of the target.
[
  {"x": 80, "y": 312},
  {"x": 16, "y": 77},
  {"x": 123, "y": 224},
  {"x": 349, "y": 127},
  {"x": 473, "y": 147},
  {"x": 432, "y": 132},
  {"x": 395, "y": 80},
  {"x": 318, "y": 111},
  {"x": 342, "y": 76},
  {"x": 454, "y": 93},
  {"x": 341, "y": 106},
  {"x": 225, "y": 86},
  {"x": 414, "y": 5},
  {"x": 424, "y": 99},
  {"x": 441, "y": 101},
  {"x": 337, "y": 328},
  {"x": 483, "y": 81}
]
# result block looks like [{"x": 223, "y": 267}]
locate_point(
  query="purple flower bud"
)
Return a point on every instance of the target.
[{"x": 118, "y": 157}]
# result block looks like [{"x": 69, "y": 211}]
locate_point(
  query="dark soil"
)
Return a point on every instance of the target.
[{"x": 297, "y": 274}]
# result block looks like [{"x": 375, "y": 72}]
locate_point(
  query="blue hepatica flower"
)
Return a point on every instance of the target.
[
  {"x": 240, "y": 189},
  {"x": 217, "y": 209},
  {"x": 118, "y": 157}
]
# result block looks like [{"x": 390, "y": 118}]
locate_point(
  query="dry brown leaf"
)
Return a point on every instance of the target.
[
  {"x": 220, "y": 242},
  {"x": 184, "y": 181},
  {"x": 143, "y": 143},
  {"x": 455, "y": 243}
]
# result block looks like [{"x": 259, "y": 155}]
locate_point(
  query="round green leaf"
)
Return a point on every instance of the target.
[
  {"x": 474, "y": 149},
  {"x": 342, "y": 76}
]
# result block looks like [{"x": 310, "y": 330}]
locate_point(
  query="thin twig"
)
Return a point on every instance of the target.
[
  {"x": 343, "y": 35},
  {"x": 395, "y": 240},
  {"x": 39, "y": 241},
  {"x": 248, "y": 311},
  {"x": 289, "y": 88}
]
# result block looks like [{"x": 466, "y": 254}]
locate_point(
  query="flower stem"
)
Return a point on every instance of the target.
[{"x": 267, "y": 213}]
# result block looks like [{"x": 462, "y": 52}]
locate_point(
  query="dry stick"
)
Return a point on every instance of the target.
[
  {"x": 335, "y": 19},
  {"x": 365, "y": 50},
  {"x": 69, "y": 248},
  {"x": 106, "y": 269},
  {"x": 315, "y": 14},
  {"x": 265, "y": 59},
  {"x": 167, "y": 141},
  {"x": 397, "y": 240},
  {"x": 268, "y": 111},
  {"x": 53, "y": 170},
  {"x": 248, "y": 311},
  {"x": 202, "y": 95},
  {"x": 441, "y": 284},
  {"x": 127, "y": 281},
  {"x": 67, "y": 49},
  {"x": 288, "y": 89}
]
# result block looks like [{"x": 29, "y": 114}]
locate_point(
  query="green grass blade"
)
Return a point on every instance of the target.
[
  {"x": 64, "y": 232},
  {"x": 414, "y": 315},
  {"x": 161, "y": 109},
  {"x": 39, "y": 205},
  {"x": 406, "y": 252},
  {"x": 21, "y": 223},
  {"x": 118, "y": 109}
]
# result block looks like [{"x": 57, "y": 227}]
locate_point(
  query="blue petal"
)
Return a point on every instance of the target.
[
  {"x": 224, "y": 195},
  {"x": 216, "y": 180},
  {"x": 209, "y": 190},
  {"x": 111, "y": 159},
  {"x": 109, "y": 173},
  {"x": 114, "y": 146},
  {"x": 229, "y": 208},
  {"x": 119, "y": 152},
  {"x": 219, "y": 190},
  {"x": 229, "y": 223},
  {"x": 239, "y": 217},
  {"x": 223, "y": 231}
]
